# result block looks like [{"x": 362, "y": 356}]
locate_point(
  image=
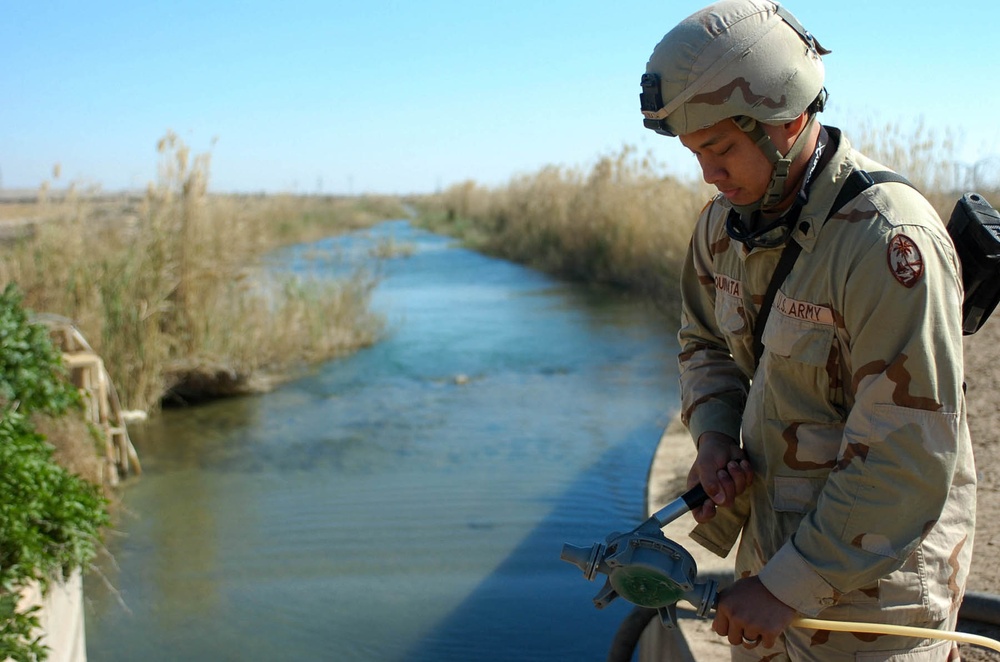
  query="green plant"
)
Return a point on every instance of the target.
[
  {"x": 30, "y": 368},
  {"x": 50, "y": 519},
  {"x": 19, "y": 640}
]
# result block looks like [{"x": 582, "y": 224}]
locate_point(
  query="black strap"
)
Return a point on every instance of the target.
[
  {"x": 785, "y": 263},
  {"x": 857, "y": 181}
]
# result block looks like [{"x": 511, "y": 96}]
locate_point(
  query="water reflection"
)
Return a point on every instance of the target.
[{"x": 409, "y": 502}]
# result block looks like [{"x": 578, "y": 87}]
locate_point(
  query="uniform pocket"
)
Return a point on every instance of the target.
[
  {"x": 798, "y": 340},
  {"x": 729, "y": 310},
  {"x": 801, "y": 371},
  {"x": 793, "y": 494}
]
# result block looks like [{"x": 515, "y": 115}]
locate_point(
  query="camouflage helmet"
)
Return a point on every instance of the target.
[{"x": 735, "y": 58}]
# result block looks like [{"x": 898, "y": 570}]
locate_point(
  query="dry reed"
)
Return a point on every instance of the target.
[
  {"x": 171, "y": 291},
  {"x": 625, "y": 223},
  {"x": 622, "y": 222},
  {"x": 927, "y": 157}
]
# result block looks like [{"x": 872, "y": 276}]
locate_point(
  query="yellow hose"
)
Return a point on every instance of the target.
[{"x": 903, "y": 630}]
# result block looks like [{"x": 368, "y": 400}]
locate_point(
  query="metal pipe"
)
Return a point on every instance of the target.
[{"x": 682, "y": 504}]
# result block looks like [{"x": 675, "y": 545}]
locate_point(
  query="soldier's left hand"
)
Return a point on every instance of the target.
[{"x": 749, "y": 615}]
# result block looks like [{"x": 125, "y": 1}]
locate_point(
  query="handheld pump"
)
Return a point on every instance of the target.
[{"x": 646, "y": 568}]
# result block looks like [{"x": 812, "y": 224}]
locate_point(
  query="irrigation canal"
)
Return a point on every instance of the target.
[{"x": 406, "y": 503}]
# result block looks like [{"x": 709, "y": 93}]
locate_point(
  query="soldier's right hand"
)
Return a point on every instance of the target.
[{"x": 722, "y": 469}]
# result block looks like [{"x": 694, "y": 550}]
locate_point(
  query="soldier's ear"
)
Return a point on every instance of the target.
[
  {"x": 783, "y": 135},
  {"x": 797, "y": 124}
]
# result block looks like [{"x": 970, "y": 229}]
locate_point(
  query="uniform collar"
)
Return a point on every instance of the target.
[{"x": 825, "y": 185}]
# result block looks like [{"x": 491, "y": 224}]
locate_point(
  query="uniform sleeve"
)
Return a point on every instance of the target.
[
  {"x": 900, "y": 442},
  {"x": 713, "y": 388}
]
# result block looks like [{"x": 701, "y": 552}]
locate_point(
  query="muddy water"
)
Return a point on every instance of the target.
[{"x": 409, "y": 502}]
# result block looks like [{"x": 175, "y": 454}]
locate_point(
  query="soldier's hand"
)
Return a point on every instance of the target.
[
  {"x": 748, "y": 614},
  {"x": 722, "y": 469}
]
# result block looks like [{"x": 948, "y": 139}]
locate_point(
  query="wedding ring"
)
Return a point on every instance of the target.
[{"x": 751, "y": 642}]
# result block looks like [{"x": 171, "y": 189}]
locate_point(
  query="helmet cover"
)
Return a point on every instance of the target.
[{"x": 734, "y": 58}]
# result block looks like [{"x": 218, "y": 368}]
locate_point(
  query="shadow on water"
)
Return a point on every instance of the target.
[{"x": 534, "y": 606}]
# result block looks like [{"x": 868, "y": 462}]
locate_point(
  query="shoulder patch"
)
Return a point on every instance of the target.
[{"x": 905, "y": 261}]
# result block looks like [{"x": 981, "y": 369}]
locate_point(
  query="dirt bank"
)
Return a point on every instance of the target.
[{"x": 982, "y": 375}]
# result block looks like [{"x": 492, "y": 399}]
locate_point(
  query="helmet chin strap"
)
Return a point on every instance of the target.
[{"x": 782, "y": 163}]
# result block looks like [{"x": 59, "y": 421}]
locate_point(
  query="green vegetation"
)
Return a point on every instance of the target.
[{"x": 50, "y": 519}]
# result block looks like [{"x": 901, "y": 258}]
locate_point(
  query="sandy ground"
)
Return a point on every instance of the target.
[
  {"x": 982, "y": 360},
  {"x": 982, "y": 376}
]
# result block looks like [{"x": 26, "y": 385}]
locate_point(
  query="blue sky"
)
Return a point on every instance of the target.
[{"x": 376, "y": 96}]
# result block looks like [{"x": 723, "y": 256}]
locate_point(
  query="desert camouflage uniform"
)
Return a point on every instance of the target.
[{"x": 863, "y": 500}]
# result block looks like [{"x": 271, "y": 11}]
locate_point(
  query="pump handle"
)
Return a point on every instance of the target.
[
  {"x": 682, "y": 504},
  {"x": 695, "y": 496}
]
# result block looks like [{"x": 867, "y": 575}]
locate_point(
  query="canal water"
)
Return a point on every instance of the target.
[{"x": 409, "y": 502}]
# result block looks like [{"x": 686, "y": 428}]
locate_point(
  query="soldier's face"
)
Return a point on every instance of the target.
[{"x": 730, "y": 161}]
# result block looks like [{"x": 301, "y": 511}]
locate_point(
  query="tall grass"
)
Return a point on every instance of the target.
[
  {"x": 624, "y": 222},
  {"x": 170, "y": 289},
  {"x": 927, "y": 157}
]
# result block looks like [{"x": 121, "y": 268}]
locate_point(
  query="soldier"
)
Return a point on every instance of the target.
[{"x": 828, "y": 416}]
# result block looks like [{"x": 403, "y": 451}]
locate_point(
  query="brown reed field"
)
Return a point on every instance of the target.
[
  {"x": 169, "y": 287},
  {"x": 621, "y": 223},
  {"x": 625, "y": 222}
]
